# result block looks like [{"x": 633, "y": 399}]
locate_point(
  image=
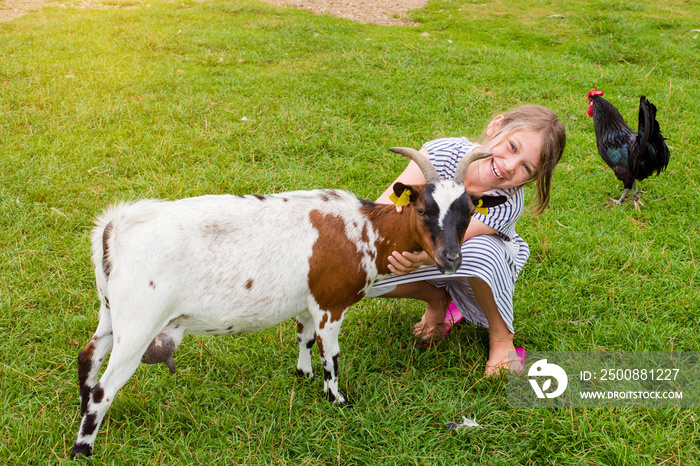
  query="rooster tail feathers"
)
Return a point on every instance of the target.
[
  {"x": 647, "y": 119},
  {"x": 653, "y": 155}
]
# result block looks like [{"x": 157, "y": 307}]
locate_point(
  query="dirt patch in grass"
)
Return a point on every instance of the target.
[
  {"x": 389, "y": 12},
  {"x": 11, "y": 9}
]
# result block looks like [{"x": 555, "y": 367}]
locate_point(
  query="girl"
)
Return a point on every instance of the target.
[{"x": 527, "y": 143}]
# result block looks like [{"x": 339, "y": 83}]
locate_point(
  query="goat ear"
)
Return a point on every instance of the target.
[
  {"x": 400, "y": 193},
  {"x": 489, "y": 201}
]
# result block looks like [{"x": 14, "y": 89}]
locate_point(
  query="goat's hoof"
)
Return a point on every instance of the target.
[
  {"x": 305, "y": 375},
  {"x": 339, "y": 400},
  {"x": 81, "y": 450}
]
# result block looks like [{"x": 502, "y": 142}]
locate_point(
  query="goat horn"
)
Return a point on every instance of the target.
[
  {"x": 461, "y": 170},
  {"x": 429, "y": 171}
]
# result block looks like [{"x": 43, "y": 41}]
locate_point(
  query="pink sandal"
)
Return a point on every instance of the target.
[
  {"x": 522, "y": 354},
  {"x": 452, "y": 318}
]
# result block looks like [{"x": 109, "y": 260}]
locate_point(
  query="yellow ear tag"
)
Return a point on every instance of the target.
[
  {"x": 402, "y": 200},
  {"x": 480, "y": 209}
]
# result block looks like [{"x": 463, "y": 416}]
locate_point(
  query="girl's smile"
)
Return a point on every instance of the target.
[{"x": 494, "y": 170}]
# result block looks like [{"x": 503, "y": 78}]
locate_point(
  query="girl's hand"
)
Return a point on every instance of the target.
[{"x": 401, "y": 263}]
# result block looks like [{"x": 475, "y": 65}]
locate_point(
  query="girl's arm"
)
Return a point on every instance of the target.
[
  {"x": 477, "y": 227},
  {"x": 401, "y": 263}
]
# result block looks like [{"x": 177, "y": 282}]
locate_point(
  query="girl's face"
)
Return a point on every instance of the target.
[{"x": 515, "y": 159}]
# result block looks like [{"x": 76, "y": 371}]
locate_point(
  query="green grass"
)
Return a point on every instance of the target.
[{"x": 107, "y": 105}]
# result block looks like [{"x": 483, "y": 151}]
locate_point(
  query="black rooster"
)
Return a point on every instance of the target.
[{"x": 631, "y": 155}]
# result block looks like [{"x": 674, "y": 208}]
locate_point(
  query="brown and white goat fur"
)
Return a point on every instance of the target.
[{"x": 223, "y": 265}]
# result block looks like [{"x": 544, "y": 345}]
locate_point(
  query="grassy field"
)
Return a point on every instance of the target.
[{"x": 167, "y": 100}]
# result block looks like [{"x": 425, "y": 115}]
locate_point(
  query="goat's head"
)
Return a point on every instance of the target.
[{"x": 441, "y": 212}]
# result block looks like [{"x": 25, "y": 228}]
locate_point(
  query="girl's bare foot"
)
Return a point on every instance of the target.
[
  {"x": 502, "y": 357},
  {"x": 431, "y": 327}
]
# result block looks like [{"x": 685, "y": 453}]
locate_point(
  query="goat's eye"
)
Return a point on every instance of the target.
[{"x": 420, "y": 212}]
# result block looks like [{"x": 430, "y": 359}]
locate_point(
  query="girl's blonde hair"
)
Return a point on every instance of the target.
[{"x": 545, "y": 122}]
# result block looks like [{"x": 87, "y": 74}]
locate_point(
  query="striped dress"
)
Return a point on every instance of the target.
[{"x": 496, "y": 259}]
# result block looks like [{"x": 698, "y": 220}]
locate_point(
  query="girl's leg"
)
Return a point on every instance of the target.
[
  {"x": 500, "y": 337},
  {"x": 432, "y": 324}
]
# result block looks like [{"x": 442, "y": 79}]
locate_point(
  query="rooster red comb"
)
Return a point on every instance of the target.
[
  {"x": 591, "y": 93},
  {"x": 595, "y": 91}
]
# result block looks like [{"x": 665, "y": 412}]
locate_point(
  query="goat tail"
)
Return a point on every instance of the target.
[
  {"x": 102, "y": 240},
  {"x": 107, "y": 227}
]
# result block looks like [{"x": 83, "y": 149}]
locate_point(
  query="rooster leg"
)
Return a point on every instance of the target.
[
  {"x": 635, "y": 198},
  {"x": 622, "y": 198},
  {"x": 635, "y": 190}
]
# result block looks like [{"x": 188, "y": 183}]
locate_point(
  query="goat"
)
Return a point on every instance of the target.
[{"x": 222, "y": 265}]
